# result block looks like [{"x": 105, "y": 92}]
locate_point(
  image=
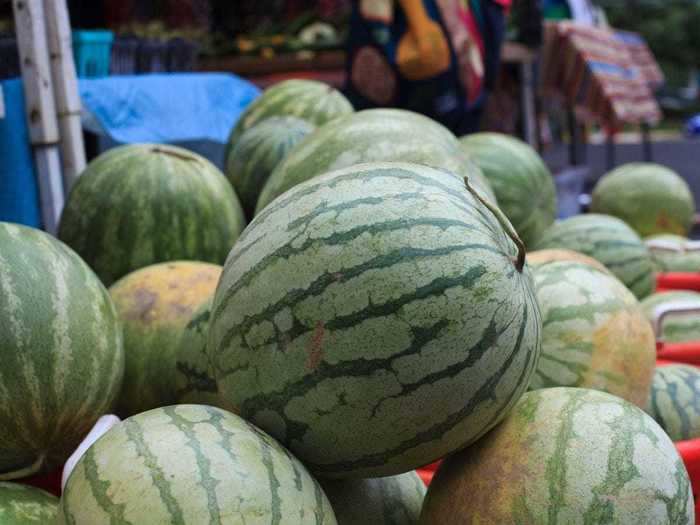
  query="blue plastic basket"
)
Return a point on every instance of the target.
[{"x": 92, "y": 51}]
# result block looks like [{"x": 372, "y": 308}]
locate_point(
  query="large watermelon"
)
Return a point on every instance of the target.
[
  {"x": 608, "y": 240},
  {"x": 61, "y": 351},
  {"x": 394, "y": 500},
  {"x": 565, "y": 456},
  {"x": 312, "y": 101},
  {"x": 595, "y": 334},
  {"x": 675, "y": 401},
  {"x": 194, "y": 379},
  {"x": 258, "y": 151},
  {"x": 673, "y": 253},
  {"x": 680, "y": 327},
  {"x": 143, "y": 204},
  {"x": 23, "y": 505},
  {"x": 375, "y": 319},
  {"x": 191, "y": 464},
  {"x": 155, "y": 304},
  {"x": 523, "y": 184},
  {"x": 649, "y": 197},
  {"x": 374, "y": 135}
]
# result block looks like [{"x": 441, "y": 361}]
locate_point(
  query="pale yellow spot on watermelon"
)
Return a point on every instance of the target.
[
  {"x": 624, "y": 356},
  {"x": 540, "y": 257}
]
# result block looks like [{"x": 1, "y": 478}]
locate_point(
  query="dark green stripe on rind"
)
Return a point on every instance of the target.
[{"x": 136, "y": 437}]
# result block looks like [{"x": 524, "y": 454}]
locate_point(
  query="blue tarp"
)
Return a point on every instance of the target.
[
  {"x": 166, "y": 107},
  {"x": 19, "y": 198},
  {"x": 195, "y": 110}
]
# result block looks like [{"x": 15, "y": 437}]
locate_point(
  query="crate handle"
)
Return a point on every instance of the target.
[
  {"x": 662, "y": 312},
  {"x": 662, "y": 245}
]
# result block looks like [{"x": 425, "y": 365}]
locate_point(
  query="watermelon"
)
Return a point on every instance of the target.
[
  {"x": 650, "y": 198},
  {"x": 375, "y": 319},
  {"x": 675, "y": 401},
  {"x": 142, "y": 204},
  {"x": 191, "y": 464},
  {"x": 258, "y": 151},
  {"x": 23, "y": 505},
  {"x": 676, "y": 328},
  {"x": 565, "y": 456},
  {"x": 194, "y": 378},
  {"x": 61, "y": 351},
  {"x": 595, "y": 334},
  {"x": 394, "y": 500},
  {"x": 373, "y": 135},
  {"x": 673, "y": 253},
  {"x": 155, "y": 304},
  {"x": 312, "y": 101},
  {"x": 523, "y": 184},
  {"x": 540, "y": 257},
  {"x": 608, "y": 240}
]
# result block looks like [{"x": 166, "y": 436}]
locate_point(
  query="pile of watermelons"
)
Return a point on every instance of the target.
[{"x": 398, "y": 296}]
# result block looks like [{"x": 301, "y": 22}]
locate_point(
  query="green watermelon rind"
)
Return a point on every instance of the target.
[
  {"x": 142, "y": 204},
  {"x": 522, "y": 183},
  {"x": 61, "y": 351},
  {"x": 610, "y": 241},
  {"x": 191, "y": 464},
  {"x": 296, "y": 280},
  {"x": 651, "y": 198}
]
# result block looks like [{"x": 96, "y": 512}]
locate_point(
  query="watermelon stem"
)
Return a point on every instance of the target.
[
  {"x": 181, "y": 156},
  {"x": 25, "y": 472},
  {"x": 519, "y": 261}
]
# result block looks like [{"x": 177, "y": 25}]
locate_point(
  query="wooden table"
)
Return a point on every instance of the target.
[{"x": 329, "y": 67}]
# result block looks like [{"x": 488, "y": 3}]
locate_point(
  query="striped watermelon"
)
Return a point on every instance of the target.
[
  {"x": 191, "y": 464},
  {"x": 595, "y": 334},
  {"x": 143, "y": 204},
  {"x": 673, "y": 253},
  {"x": 541, "y": 257},
  {"x": 374, "y": 135},
  {"x": 155, "y": 304},
  {"x": 258, "y": 151},
  {"x": 677, "y": 328},
  {"x": 194, "y": 379},
  {"x": 314, "y": 102},
  {"x": 675, "y": 401},
  {"x": 394, "y": 500},
  {"x": 523, "y": 184},
  {"x": 650, "y": 198},
  {"x": 60, "y": 347},
  {"x": 608, "y": 240},
  {"x": 23, "y": 505},
  {"x": 375, "y": 319},
  {"x": 565, "y": 456}
]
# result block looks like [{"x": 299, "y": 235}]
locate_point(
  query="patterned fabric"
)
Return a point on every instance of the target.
[
  {"x": 384, "y": 57},
  {"x": 595, "y": 71}
]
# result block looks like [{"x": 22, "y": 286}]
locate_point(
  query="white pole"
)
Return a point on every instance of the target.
[
  {"x": 65, "y": 84},
  {"x": 40, "y": 107}
]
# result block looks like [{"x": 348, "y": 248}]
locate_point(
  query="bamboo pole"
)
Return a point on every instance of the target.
[
  {"x": 40, "y": 107},
  {"x": 65, "y": 83}
]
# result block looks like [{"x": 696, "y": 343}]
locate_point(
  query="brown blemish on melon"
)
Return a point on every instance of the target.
[
  {"x": 315, "y": 349},
  {"x": 165, "y": 293}
]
